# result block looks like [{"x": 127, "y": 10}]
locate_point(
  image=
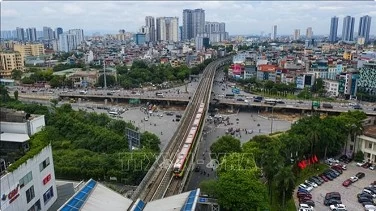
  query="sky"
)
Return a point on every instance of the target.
[{"x": 241, "y": 17}]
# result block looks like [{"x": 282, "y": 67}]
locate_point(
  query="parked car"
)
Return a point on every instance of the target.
[
  {"x": 323, "y": 177},
  {"x": 360, "y": 163},
  {"x": 364, "y": 199},
  {"x": 332, "y": 160},
  {"x": 305, "y": 207},
  {"x": 304, "y": 199},
  {"x": 301, "y": 194},
  {"x": 372, "y": 167},
  {"x": 319, "y": 178},
  {"x": 309, "y": 183},
  {"x": 346, "y": 183},
  {"x": 353, "y": 179},
  {"x": 309, "y": 203},
  {"x": 364, "y": 195},
  {"x": 302, "y": 190},
  {"x": 366, "y": 165},
  {"x": 315, "y": 180},
  {"x": 360, "y": 175},
  {"x": 328, "y": 202},
  {"x": 333, "y": 195},
  {"x": 308, "y": 188},
  {"x": 338, "y": 207},
  {"x": 369, "y": 207},
  {"x": 369, "y": 192}
]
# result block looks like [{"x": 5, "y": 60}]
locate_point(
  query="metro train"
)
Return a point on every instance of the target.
[{"x": 182, "y": 158}]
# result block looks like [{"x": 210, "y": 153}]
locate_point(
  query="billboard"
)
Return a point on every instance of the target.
[
  {"x": 133, "y": 138},
  {"x": 300, "y": 82}
]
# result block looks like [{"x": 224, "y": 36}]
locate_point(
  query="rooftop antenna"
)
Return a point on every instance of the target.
[{"x": 104, "y": 74}]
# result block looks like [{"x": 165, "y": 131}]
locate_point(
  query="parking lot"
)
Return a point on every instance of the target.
[{"x": 348, "y": 194}]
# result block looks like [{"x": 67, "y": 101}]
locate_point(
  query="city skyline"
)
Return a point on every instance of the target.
[{"x": 241, "y": 18}]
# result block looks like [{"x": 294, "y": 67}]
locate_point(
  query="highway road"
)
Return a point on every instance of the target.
[
  {"x": 177, "y": 92},
  {"x": 220, "y": 89}
]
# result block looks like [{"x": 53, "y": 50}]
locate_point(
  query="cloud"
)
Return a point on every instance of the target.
[
  {"x": 241, "y": 17},
  {"x": 72, "y": 9},
  {"x": 9, "y": 13},
  {"x": 48, "y": 10}
]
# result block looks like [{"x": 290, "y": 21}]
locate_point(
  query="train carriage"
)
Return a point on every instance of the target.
[
  {"x": 181, "y": 160},
  {"x": 189, "y": 143}
]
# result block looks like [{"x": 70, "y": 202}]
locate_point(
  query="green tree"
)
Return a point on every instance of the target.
[
  {"x": 110, "y": 81},
  {"x": 150, "y": 141},
  {"x": 285, "y": 182},
  {"x": 16, "y": 95},
  {"x": 16, "y": 74},
  {"x": 238, "y": 186},
  {"x": 224, "y": 145},
  {"x": 4, "y": 93}
]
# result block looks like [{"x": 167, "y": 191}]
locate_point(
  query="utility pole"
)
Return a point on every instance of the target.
[
  {"x": 271, "y": 123},
  {"x": 104, "y": 74}
]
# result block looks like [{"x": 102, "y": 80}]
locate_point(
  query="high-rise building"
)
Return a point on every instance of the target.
[
  {"x": 348, "y": 29},
  {"x": 215, "y": 31},
  {"x": 48, "y": 33},
  {"x": 6, "y": 35},
  {"x": 31, "y": 34},
  {"x": 180, "y": 33},
  {"x": 364, "y": 27},
  {"x": 193, "y": 23},
  {"x": 274, "y": 32},
  {"x": 309, "y": 33},
  {"x": 296, "y": 34},
  {"x": 79, "y": 35},
  {"x": 10, "y": 61},
  {"x": 67, "y": 42},
  {"x": 167, "y": 29},
  {"x": 139, "y": 38},
  {"x": 150, "y": 24},
  {"x": 333, "y": 29},
  {"x": 29, "y": 49},
  {"x": 58, "y": 32},
  {"x": 20, "y": 34}
]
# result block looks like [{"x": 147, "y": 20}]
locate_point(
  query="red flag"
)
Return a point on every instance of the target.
[
  {"x": 315, "y": 157},
  {"x": 313, "y": 160},
  {"x": 300, "y": 165},
  {"x": 304, "y": 164},
  {"x": 308, "y": 162}
]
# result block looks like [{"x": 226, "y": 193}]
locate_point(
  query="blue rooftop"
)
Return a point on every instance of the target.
[
  {"x": 191, "y": 202},
  {"x": 75, "y": 203}
]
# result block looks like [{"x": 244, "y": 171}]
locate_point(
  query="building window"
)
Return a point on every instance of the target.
[
  {"x": 35, "y": 207},
  {"x": 351, "y": 147},
  {"x": 30, "y": 194},
  {"x": 368, "y": 155},
  {"x": 48, "y": 195},
  {"x": 26, "y": 179},
  {"x": 44, "y": 164},
  {"x": 370, "y": 145}
]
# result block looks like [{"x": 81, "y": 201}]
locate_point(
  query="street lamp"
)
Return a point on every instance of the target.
[{"x": 271, "y": 123}]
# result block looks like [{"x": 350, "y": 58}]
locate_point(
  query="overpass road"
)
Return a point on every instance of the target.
[{"x": 159, "y": 181}]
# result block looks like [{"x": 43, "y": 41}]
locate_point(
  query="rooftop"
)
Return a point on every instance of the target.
[
  {"x": 10, "y": 115},
  {"x": 370, "y": 131},
  {"x": 14, "y": 137},
  {"x": 95, "y": 196}
]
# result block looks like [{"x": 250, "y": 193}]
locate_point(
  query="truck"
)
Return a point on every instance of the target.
[{"x": 327, "y": 105}]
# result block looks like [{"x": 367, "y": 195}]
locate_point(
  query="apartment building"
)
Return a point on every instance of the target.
[
  {"x": 367, "y": 143},
  {"x": 10, "y": 61},
  {"x": 29, "y": 49},
  {"x": 24, "y": 184}
]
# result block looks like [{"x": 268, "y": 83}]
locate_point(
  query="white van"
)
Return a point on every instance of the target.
[{"x": 83, "y": 92}]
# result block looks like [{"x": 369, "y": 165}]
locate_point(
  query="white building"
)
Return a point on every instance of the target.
[
  {"x": 168, "y": 29},
  {"x": 79, "y": 35},
  {"x": 67, "y": 42},
  {"x": 31, "y": 186},
  {"x": 367, "y": 143},
  {"x": 331, "y": 87}
]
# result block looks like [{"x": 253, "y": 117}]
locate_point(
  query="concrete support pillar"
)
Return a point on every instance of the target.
[
  {"x": 168, "y": 103},
  {"x": 79, "y": 100},
  {"x": 105, "y": 101},
  {"x": 266, "y": 109},
  {"x": 303, "y": 112}
]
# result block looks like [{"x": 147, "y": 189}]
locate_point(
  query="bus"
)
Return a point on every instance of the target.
[
  {"x": 270, "y": 101},
  {"x": 235, "y": 90},
  {"x": 230, "y": 96},
  {"x": 159, "y": 94}
]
